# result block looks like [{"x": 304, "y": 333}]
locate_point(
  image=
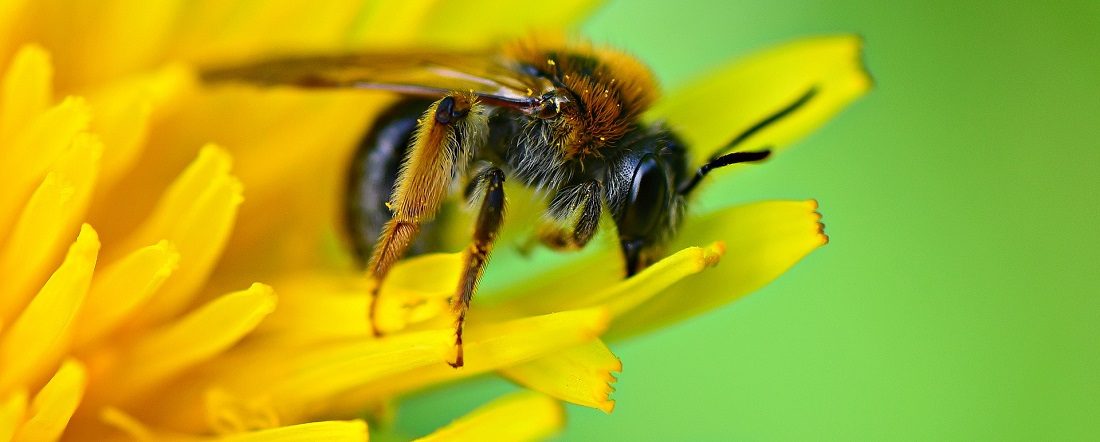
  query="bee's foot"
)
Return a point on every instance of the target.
[{"x": 459, "y": 360}]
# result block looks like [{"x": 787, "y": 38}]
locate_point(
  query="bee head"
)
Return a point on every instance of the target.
[{"x": 642, "y": 195}]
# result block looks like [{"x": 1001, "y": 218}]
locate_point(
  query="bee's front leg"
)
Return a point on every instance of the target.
[
  {"x": 490, "y": 190},
  {"x": 573, "y": 217},
  {"x": 445, "y": 137}
]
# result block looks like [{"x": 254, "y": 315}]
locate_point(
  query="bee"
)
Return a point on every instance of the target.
[{"x": 564, "y": 118}]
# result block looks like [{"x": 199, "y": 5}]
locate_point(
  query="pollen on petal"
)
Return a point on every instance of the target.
[{"x": 518, "y": 416}]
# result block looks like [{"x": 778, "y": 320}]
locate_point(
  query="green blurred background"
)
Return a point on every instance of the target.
[{"x": 957, "y": 299}]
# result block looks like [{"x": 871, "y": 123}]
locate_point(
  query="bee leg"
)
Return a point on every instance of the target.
[
  {"x": 573, "y": 217},
  {"x": 489, "y": 219},
  {"x": 445, "y": 137}
]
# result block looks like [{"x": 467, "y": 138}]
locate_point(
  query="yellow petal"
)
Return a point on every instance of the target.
[
  {"x": 211, "y": 30},
  {"x": 10, "y": 13},
  {"x": 132, "y": 428},
  {"x": 305, "y": 176},
  {"x": 491, "y": 347},
  {"x": 12, "y": 409},
  {"x": 636, "y": 290},
  {"x": 618, "y": 297},
  {"x": 194, "y": 338},
  {"x": 337, "y": 431},
  {"x": 314, "y": 431},
  {"x": 433, "y": 24},
  {"x": 38, "y": 338},
  {"x": 27, "y": 89},
  {"x": 546, "y": 287},
  {"x": 407, "y": 296},
  {"x": 581, "y": 375},
  {"x": 54, "y": 405},
  {"x": 315, "y": 307},
  {"x": 120, "y": 288},
  {"x": 518, "y": 416},
  {"x": 342, "y": 377},
  {"x": 35, "y": 148},
  {"x": 196, "y": 215},
  {"x": 318, "y": 306},
  {"x": 122, "y": 113},
  {"x": 101, "y": 40},
  {"x": 50, "y": 216},
  {"x": 392, "y": 24},
  {"x": 709, "y": 112},
  {"x": 292, "y": 380},
  {"x": 762, "y": 241}
]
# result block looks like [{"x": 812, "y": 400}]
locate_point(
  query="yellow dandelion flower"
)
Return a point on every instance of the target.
[{"x": 170, "y": 267}]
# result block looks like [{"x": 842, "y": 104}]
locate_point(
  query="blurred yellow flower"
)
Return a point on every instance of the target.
[{"x": 151, "y": 327}]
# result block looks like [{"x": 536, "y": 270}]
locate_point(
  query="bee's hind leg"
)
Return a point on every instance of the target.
[
  {"x": 488, "y": 187},
  {"x": 446, "y": 135}
]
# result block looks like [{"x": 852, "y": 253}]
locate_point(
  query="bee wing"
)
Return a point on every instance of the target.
[{"x": 415, "y": 74}]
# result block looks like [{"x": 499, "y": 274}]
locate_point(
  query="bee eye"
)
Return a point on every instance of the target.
[{"x": 648, "y": 200}]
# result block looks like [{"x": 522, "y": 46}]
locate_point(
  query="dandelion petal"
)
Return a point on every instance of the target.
[
  {"x": 121, "y": 287},
  {"x": 38, "y": 145},
  {"x": 316, "y": 306},
  {"x": 518, "y": 416},
  {"x": 12, "y": 409},
  {"x": 709, "y": 112},
  {"x": 499, "y": 20},
  {"x": 193, "y": 338},
  {"x": 38, "y": 338},
  {"x": 122, "y": 114},
  {"x": 762, "y": 241},
  {"x": 491, "y": 347},
  {"x": 294, "y": 380},
  {"x": 337, "y": 431},
  {"x": 619, "y": 296},
  {"x": 407, "y": 296},
  {"x": 581, "y": 375},
  {"x": 26, "y": 89},
  {"x": 196, "y": 215},
  {"x": 49, "y": 217},
  {"x": 54, "y": 405}
]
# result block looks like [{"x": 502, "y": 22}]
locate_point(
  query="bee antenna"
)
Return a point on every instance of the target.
[
  {"x": 768, "y": 121},
  {"x": 723, "y": 161}
]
